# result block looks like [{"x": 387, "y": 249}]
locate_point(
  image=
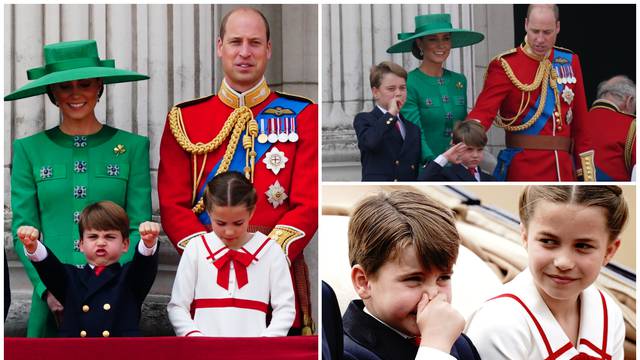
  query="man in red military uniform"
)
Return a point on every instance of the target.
[
  {"x": 612, "y": 125},
  {"x": 535, "y": 92},
  {"x": 270, "y": 137}
]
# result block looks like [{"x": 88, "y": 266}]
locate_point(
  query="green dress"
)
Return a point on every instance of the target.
[
  {"x": 435, "y": 105},
  {"x": 55, "y": 176}
]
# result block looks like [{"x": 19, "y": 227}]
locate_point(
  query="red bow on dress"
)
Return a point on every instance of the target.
[{"x": 240, "y": 262}]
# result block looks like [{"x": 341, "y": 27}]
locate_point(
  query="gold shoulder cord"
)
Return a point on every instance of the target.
[
  {"x": 628, "y": 146},
  {"x": 545, "y": 75},
  {"x": 239, "y": 119}
]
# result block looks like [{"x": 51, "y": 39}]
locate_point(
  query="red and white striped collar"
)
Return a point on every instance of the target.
[
  {"x": 256, "y": 246},
  {"x": 548, "y": 334}
]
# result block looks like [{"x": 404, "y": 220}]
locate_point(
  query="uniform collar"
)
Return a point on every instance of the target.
[
  {"x": 526, "y": 49},
  {"x": 250, "y": 98}
]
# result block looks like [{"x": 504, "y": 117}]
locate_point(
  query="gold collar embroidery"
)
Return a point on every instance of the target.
[{"x": 249, "y": 98}]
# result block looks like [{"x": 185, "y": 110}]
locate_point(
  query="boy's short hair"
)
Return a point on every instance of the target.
[
  {"x": 104, "y": 216},
  {"x": 470, "y": 132},
  {"x": 378, "y": 71},
  {"x": 382, "y": 224}
]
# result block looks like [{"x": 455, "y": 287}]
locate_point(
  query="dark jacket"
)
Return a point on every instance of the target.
[
  {"x": 384, "y": 155},
  {"x": 366, "y": 338},
  {"x": 454, "y": 172},
  {"x": 110, "y": 302}
]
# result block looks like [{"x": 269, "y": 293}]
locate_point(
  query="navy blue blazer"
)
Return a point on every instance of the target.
[
  {"x": 384, "y": 155},
  {"x": 366, "y": 338},
  {"x": 110, "y": 302},
  {"x": 332, "y": 342},
  {"x": 454, "y": 172}
]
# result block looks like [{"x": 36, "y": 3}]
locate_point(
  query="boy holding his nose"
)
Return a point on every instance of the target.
[{"x": 402, "y": 247}]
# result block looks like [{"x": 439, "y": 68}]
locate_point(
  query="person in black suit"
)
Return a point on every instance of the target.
[
  {"x": 101, "y": 298},
  {"x": 389, "y": 145},
  {"x": 402, "y": 247},
  {"x": 332, "y": 343},
  {"x": 461, "y": 161}
]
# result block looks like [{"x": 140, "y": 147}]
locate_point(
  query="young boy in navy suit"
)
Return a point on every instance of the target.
[
  {"x": 389, "y": 145},
  {"x": 402, "y": 247},
  {"x": 102, "y": 298},
  {"x": 463, "y": 158}
]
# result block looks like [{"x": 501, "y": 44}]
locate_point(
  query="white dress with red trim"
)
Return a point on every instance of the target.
[
  {"x": 517, "y": 324},
  {"x": 223, "y": 292}
]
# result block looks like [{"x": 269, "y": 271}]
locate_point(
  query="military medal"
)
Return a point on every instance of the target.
[
  {"x": 276, "y": 195},
  {"x": 567, "y": 95},
  {"x": 275, "y": 160},
  {"x": 293, "y": 135},
  {"x": 282, "y": 135},
  {"x": 560, "y": 76},
  {"x": 572, "y": 78},
  {"x": 272, "y": 138},
  {"x": 262, "y": 138},
  {"x": 569, "y": 116}
]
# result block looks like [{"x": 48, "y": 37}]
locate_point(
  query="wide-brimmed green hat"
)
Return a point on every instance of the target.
[
  {"x": 72, "y": 60},
  {"x": 435, "y": 24}
]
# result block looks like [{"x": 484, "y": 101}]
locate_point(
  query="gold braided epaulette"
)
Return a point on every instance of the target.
[
  {"x": 564, "y": 49},
  {"x": 508, "y": 52},
  {"x": 295, "y": 97}
]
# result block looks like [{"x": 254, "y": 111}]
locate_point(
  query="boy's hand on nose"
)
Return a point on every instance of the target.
[{"x": 439, "y": 323}]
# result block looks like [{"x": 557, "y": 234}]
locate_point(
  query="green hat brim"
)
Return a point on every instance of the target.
[
  {"x": 107, "y": 74},
  {"x": 459, "y": 38}
]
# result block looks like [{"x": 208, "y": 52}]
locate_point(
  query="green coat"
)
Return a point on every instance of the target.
[
  {"x": 55, "y": 176},
  {"x": 435, "y": 105}
]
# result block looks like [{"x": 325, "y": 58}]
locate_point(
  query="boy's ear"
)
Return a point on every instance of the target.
[
  {"x": 360, "y": 281},
  {"x": 523, "y": 235},
  {"x": 125, "y": 244},
  {"x": 612, "y": 248}
]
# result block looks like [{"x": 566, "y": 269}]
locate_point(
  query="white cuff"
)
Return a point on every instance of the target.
[
  {"x": 38, "y": 255},
  {"x": 144, "y": 250},
  {"x": 441, "y": 160},
  {"x": 429, "y": 353}
]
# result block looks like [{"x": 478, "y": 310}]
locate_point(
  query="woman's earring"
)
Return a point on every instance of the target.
[{"x": 421, "y": 53}]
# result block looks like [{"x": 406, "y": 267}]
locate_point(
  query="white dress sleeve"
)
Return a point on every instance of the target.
[
  {"x": 183, "y": 292},
  {"x": 500, "y": 332},
  {"x": 281, "y": 293},
  {"x": 618, "y": 331}
]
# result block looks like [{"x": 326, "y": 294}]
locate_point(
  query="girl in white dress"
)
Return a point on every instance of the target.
[
  {"x": 228, "y": 278},
  {"x": 552, "y": 310}
]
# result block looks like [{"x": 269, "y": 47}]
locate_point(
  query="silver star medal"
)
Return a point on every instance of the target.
[
  {"x": 567, "y": 95},
  {"x": 276, "y": 195},
  {"x": 275, "y": 160},
  {"x": 569, "y": 116}
]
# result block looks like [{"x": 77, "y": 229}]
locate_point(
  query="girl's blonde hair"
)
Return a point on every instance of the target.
[{"x": 608, "y": 197}]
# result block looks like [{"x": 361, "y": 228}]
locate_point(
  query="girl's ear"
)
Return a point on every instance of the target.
[
  {"x": 612, "y": 248},
  {"x": 360, "y": 281},
  {"x": 523, "y": 235}
]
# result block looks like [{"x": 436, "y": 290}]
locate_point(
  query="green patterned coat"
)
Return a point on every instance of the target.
[{"x": 55, "y": 176}]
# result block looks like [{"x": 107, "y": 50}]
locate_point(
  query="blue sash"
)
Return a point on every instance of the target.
[
  {"x": 238, "y": 161},
  {"x": 506, "y": 156},
  {"x": 602, "y": 176}
]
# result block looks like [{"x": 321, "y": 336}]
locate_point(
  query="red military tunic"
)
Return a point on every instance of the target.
[
  {"x": 292, "y": 224},
  {"x": 609, "y": 128},
  {"x": 500, "y": 94}
]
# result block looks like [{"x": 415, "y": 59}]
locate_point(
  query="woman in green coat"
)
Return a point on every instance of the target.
[
  {"x": 436, "y": 97},
  {"x": 57, "y": 172}
]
